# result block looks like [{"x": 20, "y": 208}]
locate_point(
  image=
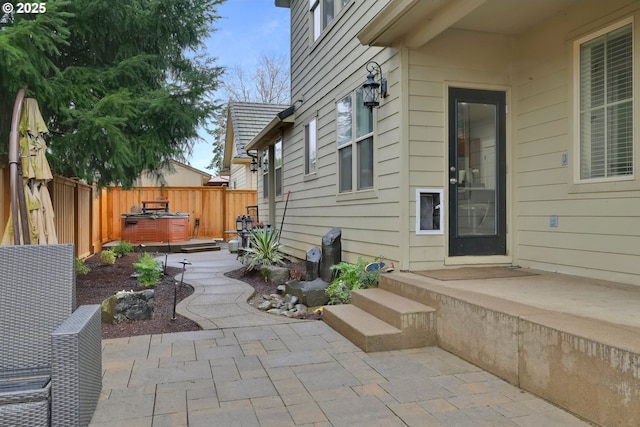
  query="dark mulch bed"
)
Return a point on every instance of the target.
[{"x": 105, "y": 280}]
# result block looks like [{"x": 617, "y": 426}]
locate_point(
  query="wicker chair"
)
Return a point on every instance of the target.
[{"x": 50, "y": 353}]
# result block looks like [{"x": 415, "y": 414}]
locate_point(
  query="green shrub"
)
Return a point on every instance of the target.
[
  {"x": 264, "y": 249},
  {"x": 108, "y": 257},
  {"x": 350, "y": 277},
  {"x": 81, "y": 267},
  {"x": 149, "y": 270},
  {"x": 122, "y": 248}
]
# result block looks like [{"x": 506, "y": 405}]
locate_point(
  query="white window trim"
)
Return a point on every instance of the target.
[
  {"x": 315, "y": 20},
  {"x": 599, "y": 184},
  {"x": 317, "y": 28},
  {"x": 279, "y": 189},
  {"x": 265, "y": 173},
  {"x": 311, "y": 137}
]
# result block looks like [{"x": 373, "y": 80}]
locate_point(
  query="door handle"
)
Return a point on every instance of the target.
[{"x": 453, "y": 181}]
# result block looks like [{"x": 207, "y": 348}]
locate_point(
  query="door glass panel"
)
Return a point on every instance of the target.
[{"x": 476, "y": 169}]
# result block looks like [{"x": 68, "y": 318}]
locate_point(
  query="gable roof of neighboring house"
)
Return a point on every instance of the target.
[
  {"x": 218, "y": 180},
  {"x": 245, "y": 120},
  {"x": 171, "y": 175}
]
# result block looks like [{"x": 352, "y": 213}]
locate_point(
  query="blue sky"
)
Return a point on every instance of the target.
[{"x": 246, "y": 30}]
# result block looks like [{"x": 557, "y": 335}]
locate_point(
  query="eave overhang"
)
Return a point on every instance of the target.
[
  {"x": 268, "y": 135},
  {"x": 413, "y": 23},
  {"x": 283, "y": 3},
  {"x": 241, "y": 160}
]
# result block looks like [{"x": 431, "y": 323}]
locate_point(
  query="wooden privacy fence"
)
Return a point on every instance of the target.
[
  {"x": 88, "y": 217},
  {"x": 216, "y": 208},
  {"x": 74, "y": 205}
]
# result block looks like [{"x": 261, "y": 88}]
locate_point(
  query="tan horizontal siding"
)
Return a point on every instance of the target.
[
  {"x": 621, "y": 226},
  {"x": 596, "y": 231}
]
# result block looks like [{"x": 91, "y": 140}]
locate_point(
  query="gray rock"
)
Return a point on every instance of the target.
[
  {"x": 314, "y": 256},
  {"x": 275, "y": 274},
  {"x": 128, "y": 306},
  {"x": 280, "y": 289},
  {"x": 265, "y": 305},
  {"x": 311, "y": 294},
  {"x": 291, "y": 299},
  {"x": 331, "y": 253}
]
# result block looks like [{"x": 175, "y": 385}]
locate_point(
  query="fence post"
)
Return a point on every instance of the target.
[{"x": 224, "y": 211}]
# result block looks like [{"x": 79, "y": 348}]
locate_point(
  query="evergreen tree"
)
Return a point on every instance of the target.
[{"x": 124, "y": 85}]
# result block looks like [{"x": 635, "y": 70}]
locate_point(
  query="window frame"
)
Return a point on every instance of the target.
[
  {"x": 577, "y": 110},
  {"x": 354, "y": 144},
  {"x": 279, "y": 161},
  {"x": 311, "y": 147},
  {"x": 320, "y": 18},
  {"x": 265, "y": 173}
]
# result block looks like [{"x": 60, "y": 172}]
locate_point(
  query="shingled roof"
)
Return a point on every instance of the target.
[{"x": 248, "y": 119}]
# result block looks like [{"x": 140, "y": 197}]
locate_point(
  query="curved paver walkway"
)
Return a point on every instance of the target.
[
  {"x": 249, "y": 368},
  {"x": 219, "y": 301}
]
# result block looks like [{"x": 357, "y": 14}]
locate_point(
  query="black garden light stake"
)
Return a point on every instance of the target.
[{"x": 184, "y": 263}]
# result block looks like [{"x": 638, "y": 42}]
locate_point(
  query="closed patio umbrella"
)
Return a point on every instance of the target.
[{"x": 36, "y": 174}]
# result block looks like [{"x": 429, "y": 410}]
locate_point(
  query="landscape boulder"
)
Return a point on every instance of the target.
[
  {"x": 311, "y": 294},
  {"x": 275, "y": 274},
  {"x": 314, "y": 255},
  {"x": 128, "y": 305},
  {"x": 331, "y": 253}
]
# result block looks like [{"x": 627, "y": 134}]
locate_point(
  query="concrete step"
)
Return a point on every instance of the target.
[
  {"x": 204, "y": 248},
  {"x": 361, "y": 328},
  {"x": 416, "y": 321},
  {"x": 544, "y": 351}
]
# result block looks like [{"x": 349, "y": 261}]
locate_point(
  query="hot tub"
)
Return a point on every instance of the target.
[{"x": 155, "y": 227}]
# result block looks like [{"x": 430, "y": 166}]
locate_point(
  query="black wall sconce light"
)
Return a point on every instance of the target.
[
  {"x": 254, "y": 163},
  {"x": 373, "y": 90}
]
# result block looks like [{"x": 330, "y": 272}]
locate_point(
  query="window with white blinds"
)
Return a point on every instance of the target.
[{"x": 606, "y": 105}]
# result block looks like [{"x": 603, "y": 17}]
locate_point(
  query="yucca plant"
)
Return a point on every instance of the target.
[{"x": 263, "y": 250}]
